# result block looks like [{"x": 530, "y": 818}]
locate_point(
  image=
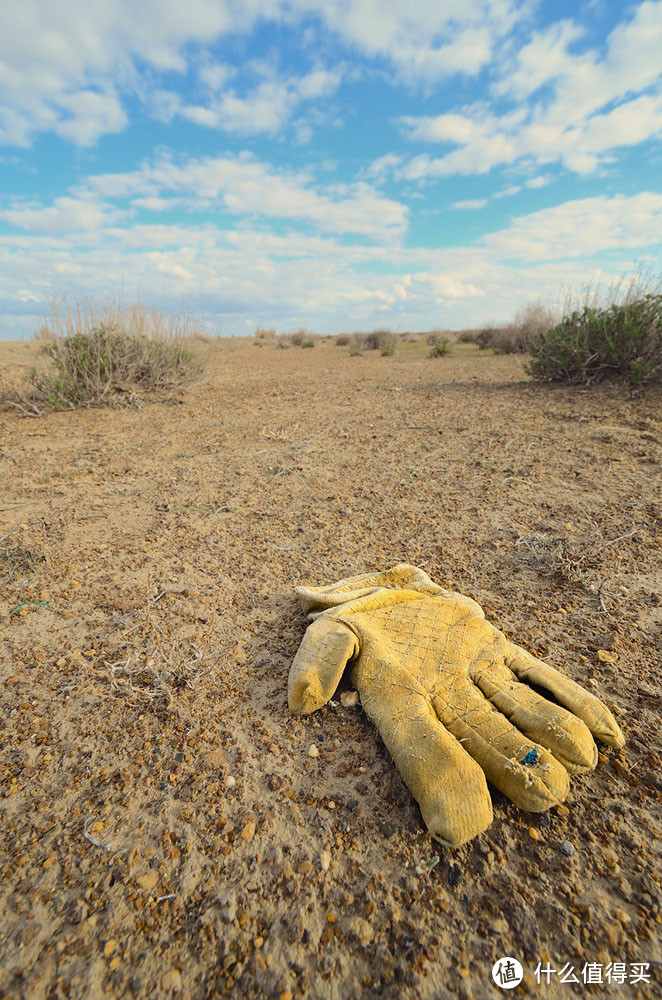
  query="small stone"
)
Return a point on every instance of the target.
[
  {"x": 325, "y": 860},
  {"x": 562, "y": 811},
  {"x": 313, "y": 751},
  {"x": 533, "y": 833},
  {"x": 249, "y": 831},
  {"x": 352, "y": 804},
  {"x": 110, "y": 947},
  {"x": 606, "y": 656},
  {"x": 62, "y": 662},
  {"x": 455, "y": 875},
  {"x": 388, "y": 829},
  {"x": 567, "y": 848},
  {"x": 230, "y": 782},
  {"x": 361, "y": 930},
  {"x": 610, "y": 857},
  {"x": 348, "y": 699},
  {"x": 172, "y": 980},
  {"x": 147, "y": 881}
]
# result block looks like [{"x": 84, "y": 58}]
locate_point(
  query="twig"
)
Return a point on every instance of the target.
[{"x": 18, "y": 406}]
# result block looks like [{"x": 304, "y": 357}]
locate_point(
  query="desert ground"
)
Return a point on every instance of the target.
[{"x": 164, "y": 829}]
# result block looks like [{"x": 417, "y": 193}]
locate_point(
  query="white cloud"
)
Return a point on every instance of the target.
[
  {"x": 65, "y": 215},
  {"x": 89, "y": 116},
  {"x": 52, "y": 55},
  {"x": 266, "y": 108},
  {"x": 244, "y": 185},
  {"x": 471, "y": 204},
  {"x": 578, "y": 228},
  {"x": 427, "y": 40},
  {"x": 590, "y": 106}
]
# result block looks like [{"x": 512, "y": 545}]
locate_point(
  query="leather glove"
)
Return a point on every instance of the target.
[{"x": 450, "y": 696}]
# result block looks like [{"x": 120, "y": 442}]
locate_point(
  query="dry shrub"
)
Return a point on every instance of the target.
[
  {"x": 302, "y": 338},
  {"x": 522, "y": 335},
  {"x": 381, "y": 340},
  {"x": 440, "y": 348},
  {"x": 342, "y": 340},
  {"x": 93, "y": 356},
  {"x": 264, "y": 336},
  {"x": 485, "y": 337},
  {"x": 436, "y": 337},
  {"x": 619, "y": 341},
  {"x": 468, "y": 337}
]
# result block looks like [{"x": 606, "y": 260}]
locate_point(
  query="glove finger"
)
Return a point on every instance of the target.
[
  {"x": 586, "y": 706},
  {"x": 501, "y": 750},
  {"x": 554, "y": 727},
  {"x": 448, "y": 785}
]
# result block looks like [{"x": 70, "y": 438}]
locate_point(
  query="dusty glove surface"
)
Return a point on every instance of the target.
[{"x": 448, "y": 693}]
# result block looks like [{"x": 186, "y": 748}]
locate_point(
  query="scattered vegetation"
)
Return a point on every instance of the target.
[
  {"x": 302, "y": 338},
  {"x": 485, "y": 337},
  {"x": 17, "y": 558},
  {"x": 381, "y": 340},
  {"x": 342, "y": 340},
  {"x": 521, "y": 336},
  {"x": 264, "y": 336},
  {"x": 467, "y": 337},
  {"x": 440, "y": 348},
  {"x": 620, "y": 341}
]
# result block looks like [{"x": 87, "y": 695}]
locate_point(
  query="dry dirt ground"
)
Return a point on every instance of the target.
[{"x": 165, "y": 832}]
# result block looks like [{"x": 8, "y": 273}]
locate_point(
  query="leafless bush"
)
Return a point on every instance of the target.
[
  {"x": 303, "y": 338},
  {"x": 264, "y": 336},
  {"x": 521, "y": 336},
  {"x": 382, "y": 340}
]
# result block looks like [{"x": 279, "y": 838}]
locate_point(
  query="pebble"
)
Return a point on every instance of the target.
[
  {"x": 249, "y": 831},
  {"x": 362, "y": 930},
  {"x": 147, "y": 881},
  {"x": 567, "y": 848},
  {"x": 325, "y": 860},
  {"x": 349, "y": 698},
  {"x": 172, "y": 980},
  {"x": 352, "y": 804},
  {"x": 533, "y": 833},
  {"x": 110, "y": 947},
  {"x": 455, "y": 875},
  {"x": 313, "y": 751},
  {"x": 230, "y": 782}
]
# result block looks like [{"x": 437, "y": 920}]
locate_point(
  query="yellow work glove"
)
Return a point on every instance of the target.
[{"x": 448, "y": 693}]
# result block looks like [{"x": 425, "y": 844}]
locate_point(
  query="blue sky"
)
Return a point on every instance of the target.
[{"x": 337, "y": 166}]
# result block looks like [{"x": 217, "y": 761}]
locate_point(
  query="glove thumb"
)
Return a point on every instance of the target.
[{"x": 325, "y": 650}]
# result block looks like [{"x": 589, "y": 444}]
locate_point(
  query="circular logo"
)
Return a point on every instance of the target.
[{"x": 507, "y": 973}]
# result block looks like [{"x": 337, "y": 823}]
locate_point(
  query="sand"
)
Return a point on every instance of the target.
[{"x": 165, "y": 830}]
